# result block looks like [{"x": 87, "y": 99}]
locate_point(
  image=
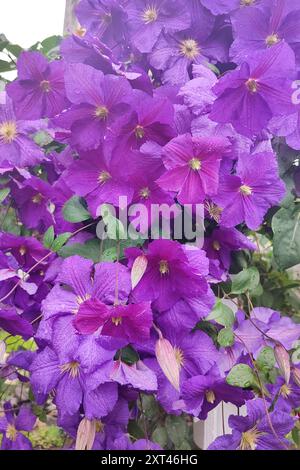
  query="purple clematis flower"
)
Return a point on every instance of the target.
[
  {"x": 259, "y": 89},
  {"x": 258, "y": 29},
  {"x": 11, "y": 425},
  {"x": 169, "y": 275},
  {"x": 193, "y": 165},
  {"x": 17, "y": 149},
  {"x": 128, "y": 322},
  {"x": 202, "y": 393},
  {"x": 287, "y": 395},
  {"x": 253, "y": 432},
  {"x": 249, "y": 194},
  {"x": 97, "y": 100},
  {"x": 39, "y": 91},
  {"x": 147, "y": 20},
  {"x": 99, "y": 181}
]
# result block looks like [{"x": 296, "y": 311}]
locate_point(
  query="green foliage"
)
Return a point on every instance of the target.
[
  {"x": 75, "y": 210},
  {"x": 221, "y": 314},
  {"x": 241, "y": 375},
  {"x": 47, "y": 437},
  {"x": 226, "y": 337},
  {"x": 286, "y": 228},
  {"x": 266, "y": 359},
  {"x": 246, "y": 281}
]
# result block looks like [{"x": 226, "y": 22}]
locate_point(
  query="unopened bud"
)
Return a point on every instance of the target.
[
  {"x": 86, "y": 433},
  {"x": 283, "y": 360},
  {"x": 296, "y": 375},
  {"x": 166, "y": 358},
  {"x": 138, "y": 269}
]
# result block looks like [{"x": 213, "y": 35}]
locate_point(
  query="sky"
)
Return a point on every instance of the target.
[{"x": 27, "y": 21}]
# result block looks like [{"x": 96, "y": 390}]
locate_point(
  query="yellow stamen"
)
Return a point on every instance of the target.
[
  {"x": 101, "y": 112},
  {"x": 45, "y": 86},
  {"x": 285, "y": 390},
  {"x": 252, "y": 85},
  {"x": 189, "y": 48},
  {"x": 11, "y": 432},
  {"x": 103, "y": 177},
  {"x": 249, "y": 439},
  {"x": 72, "y": 368},
  {"x": 80, "y": 31},
  {"x": 37, "y": 198},
  {"x": 164, "y": 267},
  {"x": 22, "y": 250},
  {"x": 216, "y": 245},
  {"x": 246, "y": 190},
  {"x": 179, "y": 356},
  {"x": 139, "y": 132},
  {"x": 247, "y": 3},
  {"x": 272, "y": 39},
  {"x": 99, "y": 426},
  {"x": 214, "y": 211},
  {"x": 210, "y": 396},
  {"x": 145, "y": 193},
  {"x": 150, "y": 14},
  {"x": 81, "y": 299},
  {"x": 195, "y": 164},
  {"x": 8, "y": 131},
  {"x": 117, "y": 321}
]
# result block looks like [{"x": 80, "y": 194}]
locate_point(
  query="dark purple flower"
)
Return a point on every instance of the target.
[
  {"x": 192, "y": 165},
  {"x": 39, "y": 91},
  {"x": 247, "y": 196},
  {"x": 11, "y": 425}
]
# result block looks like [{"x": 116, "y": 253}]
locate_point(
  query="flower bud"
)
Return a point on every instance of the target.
[
  {"x": 138, "y": 269},
  {"x": 86, "y": 433},
  {"x": 283, "y": 360},
  {"x": 296, "y": 375},
  {"x": 166, "y": 358}
]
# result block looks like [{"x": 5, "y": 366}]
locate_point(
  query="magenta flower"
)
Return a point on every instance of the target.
[
  {"x": 247, "y": 196},
  {"x": 259, "y": 89},
  {"x": 192, "y": 165},
  {"x": 39, "y": 91}
]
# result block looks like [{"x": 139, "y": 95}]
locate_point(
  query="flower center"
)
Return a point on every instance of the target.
[
  {"x": 145, "y": 193},
  {"x": 8, "y": 131},
  {"x": 81, "y": 299},
  {"x": 80, "y": 31},
  {"x": 179, "y": 356},
  {"x": 103, "y": 177},
  {"x": 99, "y": 426},
  {"x": 37, "y": 198},
  {"x": 117, "y": 321},
  {"x": 210, "y": 396},
  {"x": 252, "y": 85},
  {"x": 272, "y": 39},
  {"x": 163, "y": 267},
  {"x": 72, "y": 368},
  {"x": 246, "y": 190},
  {"x": 247, "y": 3},
  {"x": 139, "y": 132},
  {"x": 11, "y": 432},
  {"x": 249, "y": 439},
  {"x": 285, "y": 390},
  {"x": 213, "y": 210},
  {"x": 195, "y": 164},
  {"x": 45, "y": 86},
  {"x": 216, "y": 245},
  {"x": 22, "y": 250},
  {"x": 150, "y": 14},
  {"x": 101, "y": 112},
  {"x": 189, "y": 48}
]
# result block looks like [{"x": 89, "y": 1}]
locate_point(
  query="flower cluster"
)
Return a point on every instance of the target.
[{"x": 160, "y": 102}]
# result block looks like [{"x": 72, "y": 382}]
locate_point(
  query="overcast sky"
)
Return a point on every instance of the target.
[{"x": 27, "y": 21}]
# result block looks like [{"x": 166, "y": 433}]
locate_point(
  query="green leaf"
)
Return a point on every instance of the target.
[
  {"x": 241, "y": 375},
  {"x": 42, "y": 138},
  {"x": 286, "y": 228},
  {"x": 226, "y": 337},
  {"x": 4, "y": 193},
  {"x": 6, "y": 66},
  {"x": 48, "y": 237},
  {"x": 266, "y": 359},
  {"x": 222, "y": 314},
  {"x": 128, "y": 355},
  {"x": 88, "y": 250},
  {"x": 74, "y": 211},
  {"x": 160, "y": 436},
  {"x": 176, "y": 427},
  {"x": 50, "y": 44},
  {"x": 114, "y": 227},
  {"x": 60, "y": 241},
  {"x": 245, "y": 281},
  {"x": 14, "y": 49}
]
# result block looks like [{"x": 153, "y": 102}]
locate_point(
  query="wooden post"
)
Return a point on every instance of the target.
[{"x": 70, "y": 20}]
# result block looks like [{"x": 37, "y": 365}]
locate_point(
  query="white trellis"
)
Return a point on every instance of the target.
[{"x": 216, "y": 424}]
